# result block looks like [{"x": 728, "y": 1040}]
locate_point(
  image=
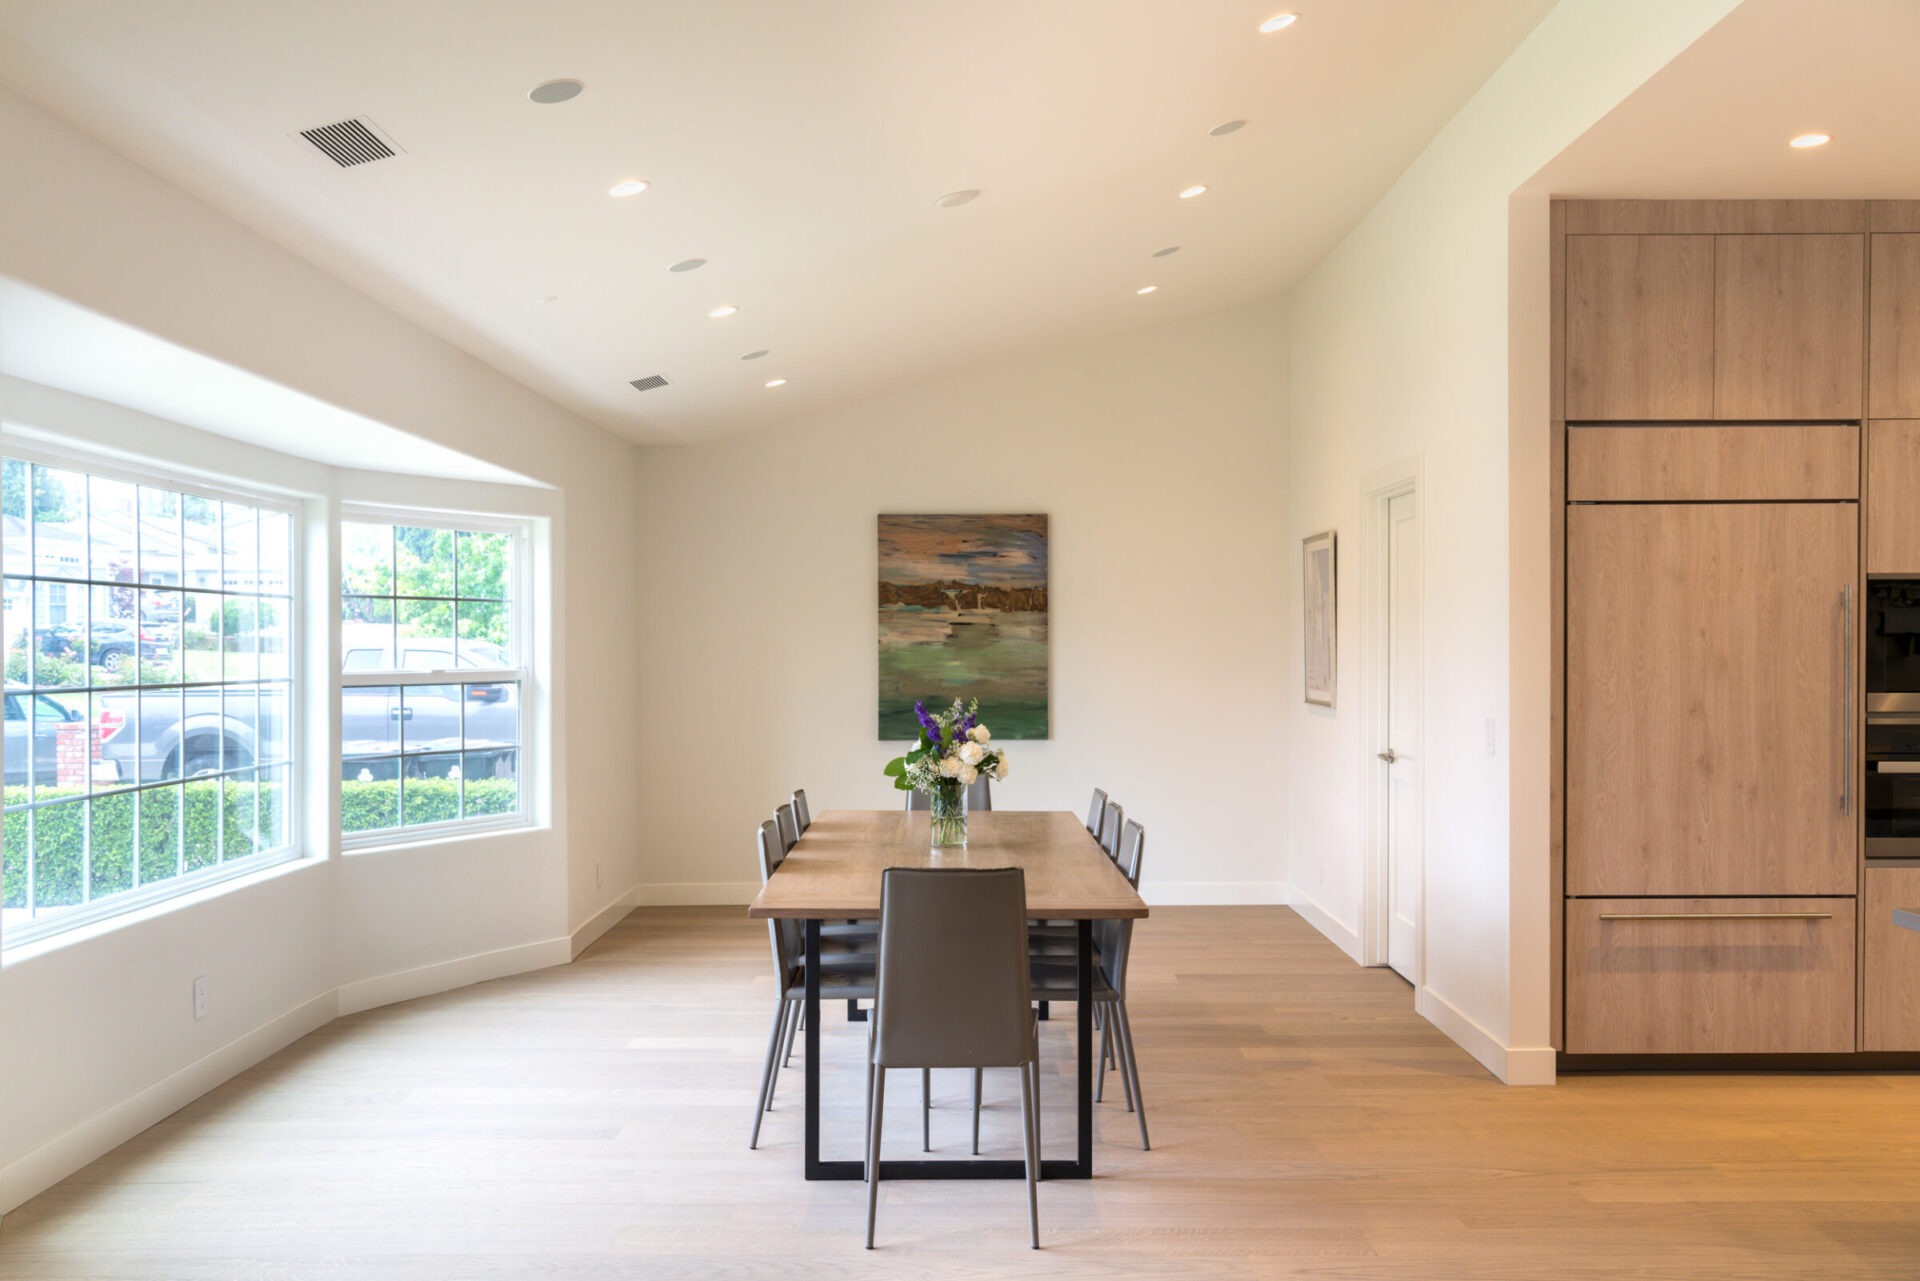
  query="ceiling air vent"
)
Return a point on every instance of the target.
[
  {"x": 351, "y": 142},
  {"x": 649, "y": 382}
]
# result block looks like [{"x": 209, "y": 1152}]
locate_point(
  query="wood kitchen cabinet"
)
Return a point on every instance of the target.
[
  {"x": 1639, "y": 328},
  {"x": 1707, "y": 699},
  {"x": 1778, "y": 462},
  {"x": 1893, "y": 373},
  {"x": 1789, "y": 326},
  {"x": 1893, "y": 498},
  {"x": 1890, "y": 961}
]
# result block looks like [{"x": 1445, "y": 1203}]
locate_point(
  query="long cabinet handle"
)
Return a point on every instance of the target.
[
  {"x": 1716, "y": 916},
  {"x": 1846, "y": 702}
]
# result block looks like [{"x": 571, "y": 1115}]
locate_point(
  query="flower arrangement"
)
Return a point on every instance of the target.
[{"x": 953, "y": 752}]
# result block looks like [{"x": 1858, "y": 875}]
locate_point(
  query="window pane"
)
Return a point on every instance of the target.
[
  {"x": 16, "y": 518},
  {"x": 239, "y": 637},
  {"x": 112, "y": 524},
  {"x": 17, "y": 628},
  {"x": 483, "y": 565},
  {"x": 202, "y": 801},
  {"x": 484, "y": 638},
  {"x": 241, "y": 721},
  {"x": 366, "y": 559},
  {"x": 241, "y": 548},
  {"x": 60, "y": 750},
  {"x": 200, "y": 541},
  {"x": 366, "y": 634},
  {"x": 159, "y": 537},
  {"x": 271, "y": 739},
  {"x": 116, "y": 635},
  {"x": 239, "y": 835},
  {"x": 276, "y": 553},
  {"x": 425, "y": 630},
  {"x": 110, "y": 822},
  {"x": 160, "y": 636},
  {"x": 369, "y": 723},
  {"x": 272, "y": 632},
  {"x": 59, "y": 855},
  {"x": 59, "y": 523},
  {"x": 430, "y": 718},
  {"x": 273, "y": 808},
  {"x": 59, "y": 635},
  {"x": 107, "y": 737},
  {"x": 430, "y": 792},
  {"x": 16, "y": 855},
  {"x": 201, "y": 640},
  {"x": 492, "y": 716},
  {"x": 491, "y": 782},
  {"x": 423, "y": 561},
  {"x": 159, "y": 834},
  {"x": 370, "y": 794},
  {"x": 159, "y": 748}
]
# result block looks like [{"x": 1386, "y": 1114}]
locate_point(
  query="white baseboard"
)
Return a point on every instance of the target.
[
  {"x": 603, "y": 920},
  {"x": 1214, "y": 893},
  {"x": 696, "y": 894},
  {"x": 32, "y": 1174},
  {"x": 444, "y": 976},
  {"x": 1319, "y": 918},
  {"x": 1524, "y": 1066}
]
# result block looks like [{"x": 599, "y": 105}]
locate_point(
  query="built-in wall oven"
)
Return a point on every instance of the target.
[{"x": 1892, "y": 785}]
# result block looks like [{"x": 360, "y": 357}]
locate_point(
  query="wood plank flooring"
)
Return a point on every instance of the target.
[{"x": 591, "y": 1122}]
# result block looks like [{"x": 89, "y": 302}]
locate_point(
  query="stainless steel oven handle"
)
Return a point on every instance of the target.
[{"x": 1896, "y": 767}]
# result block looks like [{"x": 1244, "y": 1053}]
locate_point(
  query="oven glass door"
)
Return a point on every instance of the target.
[{"x": 1893, "y": 786}]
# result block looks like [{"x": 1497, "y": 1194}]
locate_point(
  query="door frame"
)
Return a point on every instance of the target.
[{"x": 1377, "y": 490}]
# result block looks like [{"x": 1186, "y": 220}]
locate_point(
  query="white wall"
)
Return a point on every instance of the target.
[
  {"x": 1402, "y": 348},
  {"x": 1159, "y": 458},
  {"x": 84, "y": 224}
]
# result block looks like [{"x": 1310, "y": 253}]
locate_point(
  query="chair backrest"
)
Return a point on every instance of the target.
[
  {"x": 801, "y": 814},
  {"x": 1110, "y": 820},
  {"x": 1133, "y": 848},
  {"x": 979, "y": 796},
  {"x": 952, "y": 980},
  {"x": 784, "y": 934},
  {"x": 1095, "y": 810},
  {"x": 918, "y": 800},
  {"x": 788, "y": 828}
]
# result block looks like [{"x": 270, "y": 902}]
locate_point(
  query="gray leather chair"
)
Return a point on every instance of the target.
[
  {"x": 930, "y": 1013},
  {"x": 802, "y": 816},
  {"x": 1111, "y": 816},
  {"x": 1095, "y": 810},
  {"x": 979, "y": 797}
]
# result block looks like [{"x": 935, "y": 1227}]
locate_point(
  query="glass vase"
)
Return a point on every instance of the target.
[{"x": 948, "y": 813}]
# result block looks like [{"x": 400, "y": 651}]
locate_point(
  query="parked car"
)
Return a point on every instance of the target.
[
  {"x": 114, "y": 643},
  {"x": 32, "y": 731}
]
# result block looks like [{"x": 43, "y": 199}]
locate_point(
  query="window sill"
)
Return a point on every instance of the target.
[{"x": 291, "y": 863}]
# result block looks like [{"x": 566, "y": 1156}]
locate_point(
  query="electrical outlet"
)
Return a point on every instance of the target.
[
  {"x": 1490, "y": 743},
  {"x": 599, "y": 876},
  {"x": 200, "y": 998}
]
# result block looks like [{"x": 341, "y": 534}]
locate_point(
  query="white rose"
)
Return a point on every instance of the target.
[
  {"x": 1000, "y": 768},
  {"x": 968, "y": 774},
  {"x": 950, "y": 766},
  {"x": 972, "y": 752},
  {"x": 980, "y": 733}
]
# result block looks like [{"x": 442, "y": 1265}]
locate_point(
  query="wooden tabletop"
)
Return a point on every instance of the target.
[{"x": 834, "y": 870}]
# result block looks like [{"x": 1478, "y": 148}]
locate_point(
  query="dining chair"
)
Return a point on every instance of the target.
[
  {"x": 789, "y": 826},
  {"x": 802, "y": 816},
  {"x": 1111, "y": 816},
  {"x": 846, "y": 972},
  {"x": 979, "y": 797},
  {"x": 930, "y": 1013},
  {"x": 1095, "y": 810}
]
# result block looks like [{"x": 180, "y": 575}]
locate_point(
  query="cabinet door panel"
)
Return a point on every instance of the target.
[
  {"x": 1707, "y": 700},
  {"x": 1639, "y": 342},
  {"x": 1890, "y": 1016},
  {"x": 1710, "y": 976},
  {"x": 1894, "y": 329},
  {"x": 1789, "y": 315},
  {"x": 1893, "y": 498},
  {"x": 1776, "y": 462}
]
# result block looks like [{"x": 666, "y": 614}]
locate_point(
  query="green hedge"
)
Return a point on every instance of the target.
[
  {"x": 59, "y": 838},
  {"x": 367, "y": 806}
]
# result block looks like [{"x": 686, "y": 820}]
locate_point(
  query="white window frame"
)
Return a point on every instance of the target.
[
  {"x": 520, "y": 625},
  {"x": 36, "y": 452}
]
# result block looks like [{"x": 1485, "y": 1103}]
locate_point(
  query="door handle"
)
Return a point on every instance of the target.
[
  {"x": 1846, "y": 701},
  {"x": 1716, "y": 916},
  {"x": 1388, "y": 756}
]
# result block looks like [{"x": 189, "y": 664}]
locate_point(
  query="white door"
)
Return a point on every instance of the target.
[{"x": 1402, "y": 757}]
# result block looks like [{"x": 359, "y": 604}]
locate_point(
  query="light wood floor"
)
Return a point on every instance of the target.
[{"x": 591, "y": 1122}]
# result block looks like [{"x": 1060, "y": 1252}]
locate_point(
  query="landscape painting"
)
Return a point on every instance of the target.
[{"x": 963, "y": 614}]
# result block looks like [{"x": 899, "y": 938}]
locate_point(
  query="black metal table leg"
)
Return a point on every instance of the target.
[
  {"x": 854, "y": 1013},
  {"x": 1083, "y": 1019},
  {"x": 813, "y": 1050}
]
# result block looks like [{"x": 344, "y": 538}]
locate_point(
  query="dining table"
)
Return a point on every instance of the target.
[{"x": 833, "y": 873}]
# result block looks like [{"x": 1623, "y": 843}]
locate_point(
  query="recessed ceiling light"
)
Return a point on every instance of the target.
[
  {"x": 1191, "y": 192},
  {"x": 1806, "y": 140},
  {"x": 1168, "y": 252},
  {"x": 1278, "y": 22},
  {"x": 552, "y": 91},
  {"x": 1221, "y": 131},
  {"x": 956, "y": 198},
  {"x": 754, "y": 355},
  {"x": 722, "y": 312},
  {"x": 631, "y": 187},
  {"x": 776, "y": 382},
  {"x": 548, "y": 298},
  {"x": 1147, "y": 289},
  {"x": 688, "y": 264}
]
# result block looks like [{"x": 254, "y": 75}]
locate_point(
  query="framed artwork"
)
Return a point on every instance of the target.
[
  {"x": 963, "y": 614},
  {"x": 1317, "y": 571}
]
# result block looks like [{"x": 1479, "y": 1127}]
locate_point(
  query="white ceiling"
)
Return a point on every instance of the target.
[
  {"x": 1714, "y": 122},
  {"x": 798, "y": 145}
]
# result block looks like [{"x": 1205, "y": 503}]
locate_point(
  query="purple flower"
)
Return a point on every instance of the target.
[{"x": 928, "y": 726}]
